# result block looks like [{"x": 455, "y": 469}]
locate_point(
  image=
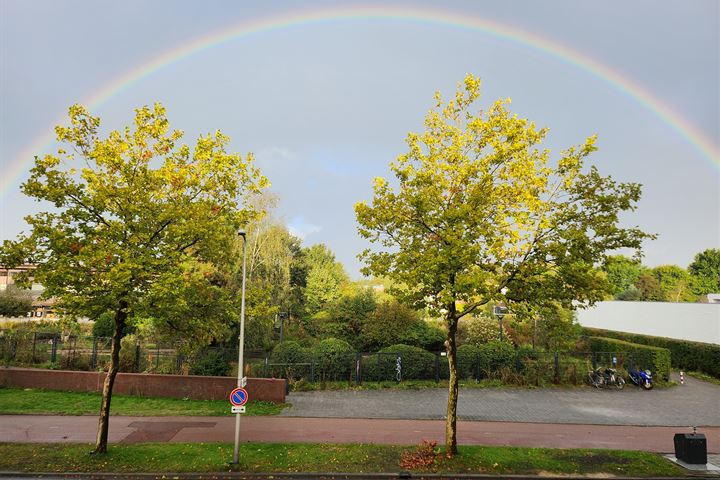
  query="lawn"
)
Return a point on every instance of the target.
[
  {"x": 34, "y": 401},
  {"x": 299, "y": 457}
]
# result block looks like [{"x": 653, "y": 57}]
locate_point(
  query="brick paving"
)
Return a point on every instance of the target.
[
  {"x": 695, "y": 403},
  {"x": 66, "y": 429}
]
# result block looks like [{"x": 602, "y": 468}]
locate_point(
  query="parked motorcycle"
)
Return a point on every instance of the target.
[
  {"x": 596, "y": 378},
  {"x": 641, "y": 378},
  {"x": 606, "y": 378},
  {"x": 612, "y": 379}
]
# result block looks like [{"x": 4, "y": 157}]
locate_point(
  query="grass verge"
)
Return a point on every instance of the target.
[
  {"x": 704, "y": 377},
  {"x": 298, "y": 457},
  {"x": 18, "y": 401}
]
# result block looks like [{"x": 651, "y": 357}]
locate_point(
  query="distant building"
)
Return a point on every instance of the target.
[
  {"x": 7, "y": 277},
  {"x": 41, "y": 308}
]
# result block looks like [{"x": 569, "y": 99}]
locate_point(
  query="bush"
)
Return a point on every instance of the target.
[
  {"x": 685, "y": 355},
  {"x": 482, "y": 329},
  {"x": 468, "y": 357},
  {"x": 495, "y": 356},
  {"x": 417, "y": 364},
  {"x": 210, "y": 362},
  {"x": 290, "y": 352},
  {"x": 128, "y": 352},
  {"x": 104, "y": 326},
  {"x": 420, "y": 334},
  {"x": 656, "y": 359},
  {"x": 334, "y": 359},
  {"x": 14, "y": 302}
]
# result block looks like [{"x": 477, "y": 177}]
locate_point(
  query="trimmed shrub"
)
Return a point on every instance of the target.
[
  {"x": 334, "y": 359},
  {"x": 684, "y": 354},
  {"x": 495, "y": 356},
  {"x": 468, "y": 357},
  {"x": 417, "y": 364},
  {"x": 628, "y": 355},
  {"x": 290, "y": 352}
]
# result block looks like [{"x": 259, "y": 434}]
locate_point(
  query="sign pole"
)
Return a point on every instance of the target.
[{"x": 236, "y": 450}]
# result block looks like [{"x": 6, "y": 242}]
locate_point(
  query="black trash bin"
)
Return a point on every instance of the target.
[{"x": 691, "y": 448}]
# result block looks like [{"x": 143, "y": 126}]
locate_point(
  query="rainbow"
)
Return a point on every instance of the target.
[{"x": 432, "y": 16}]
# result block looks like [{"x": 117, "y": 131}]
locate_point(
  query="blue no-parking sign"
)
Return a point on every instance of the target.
[{"x": 239, "y": 397}]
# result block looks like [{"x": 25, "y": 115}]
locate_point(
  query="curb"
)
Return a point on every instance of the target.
[{"x": 309, "y": 476}]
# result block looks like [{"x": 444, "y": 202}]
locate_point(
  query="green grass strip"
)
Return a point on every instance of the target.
[
  {"x": 298, "y": 457},
  {"x": 18, "y": 401}
]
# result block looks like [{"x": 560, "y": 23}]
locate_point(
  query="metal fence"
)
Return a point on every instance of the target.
[{"x": 74, "y": 352}]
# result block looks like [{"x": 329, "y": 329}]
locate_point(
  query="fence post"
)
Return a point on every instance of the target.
[
  {"x": 178, "y": 363},
  {"x": 33, "y": 354},
  {"x": 265, "y": 367},
  {"x": 593, "y": 358},
  {"x": 93, "y": 359},
  {"x": 157, "y": 356},
  {"x": 557, "y": 368},
  {"x": 312, "y": 371},
  {"x": 53, "y": 350},
  {"x": 136, "y": 367},
  {"x": 358, "y": 368},
  {"x": 437, "y": 368},
  {"x": 398, "y": 368}
]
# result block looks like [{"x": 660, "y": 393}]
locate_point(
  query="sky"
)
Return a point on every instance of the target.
[{"x": 326, "y": 101}]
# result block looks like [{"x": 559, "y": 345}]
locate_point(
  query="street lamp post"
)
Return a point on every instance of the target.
[
  {"x": 500, "y": 311},
  {"x": 241, "y": 344}
]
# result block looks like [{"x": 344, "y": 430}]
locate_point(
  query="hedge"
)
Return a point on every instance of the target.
[
  {"x": 656, "y": 359},
  {"x": 685, "y": 355}
]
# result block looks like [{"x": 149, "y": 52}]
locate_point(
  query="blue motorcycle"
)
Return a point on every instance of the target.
[{"x": 641, "y": 378}]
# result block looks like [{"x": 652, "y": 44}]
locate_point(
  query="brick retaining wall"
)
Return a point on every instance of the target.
[{"x": 142, "y": 384}]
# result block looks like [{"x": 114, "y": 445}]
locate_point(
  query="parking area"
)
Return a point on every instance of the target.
[{"x": 695, "y": 403}]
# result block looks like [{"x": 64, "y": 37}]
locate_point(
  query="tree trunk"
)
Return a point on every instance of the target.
[
  {"x": 451, "y": 348},
  {"x": 104, "y": 420}
]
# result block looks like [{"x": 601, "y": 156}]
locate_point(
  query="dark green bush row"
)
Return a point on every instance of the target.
[
  {"x": 685, "y": 355},
  {"x": 634, "y": 355},
  {"x": 416, "y": 363}
]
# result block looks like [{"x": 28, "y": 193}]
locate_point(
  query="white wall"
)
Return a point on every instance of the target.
[{"x": 698, "y": 322}]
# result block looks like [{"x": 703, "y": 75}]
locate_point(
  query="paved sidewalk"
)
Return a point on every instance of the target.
[
  {"x": 695, "y": 403},
  {"x": 66, "y": 429}
]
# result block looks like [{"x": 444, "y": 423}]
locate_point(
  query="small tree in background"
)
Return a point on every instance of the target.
[
  {"x": 477, "y": 208},
  {"x": 705, "y": 268},
  {"x": 15, "y": 302}
]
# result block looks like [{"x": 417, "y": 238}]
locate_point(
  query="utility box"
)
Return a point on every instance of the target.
[{"x": 691, "y": 448}]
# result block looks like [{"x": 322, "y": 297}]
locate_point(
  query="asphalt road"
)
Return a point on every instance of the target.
[{"x": 695, "y": 403}]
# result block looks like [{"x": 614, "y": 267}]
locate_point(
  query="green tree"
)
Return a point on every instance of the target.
[
  {"x": 388, "y": 324},
  {"x": 141, "y": 228},
  {"x": 476, "y": 209},
  {"x": 622, "y": 272},
  {"x": 15, "y": 302},
  {"x": 649, "y": 288},
  {"x": 675, "y": 282},
  {"x": 705, "y": 268},
  {"x": 271, "y": 252},
  {"x": 325, "y": 278}
]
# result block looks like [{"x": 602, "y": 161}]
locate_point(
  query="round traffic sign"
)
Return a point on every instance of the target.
[{"x": 239, "y": 397}]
